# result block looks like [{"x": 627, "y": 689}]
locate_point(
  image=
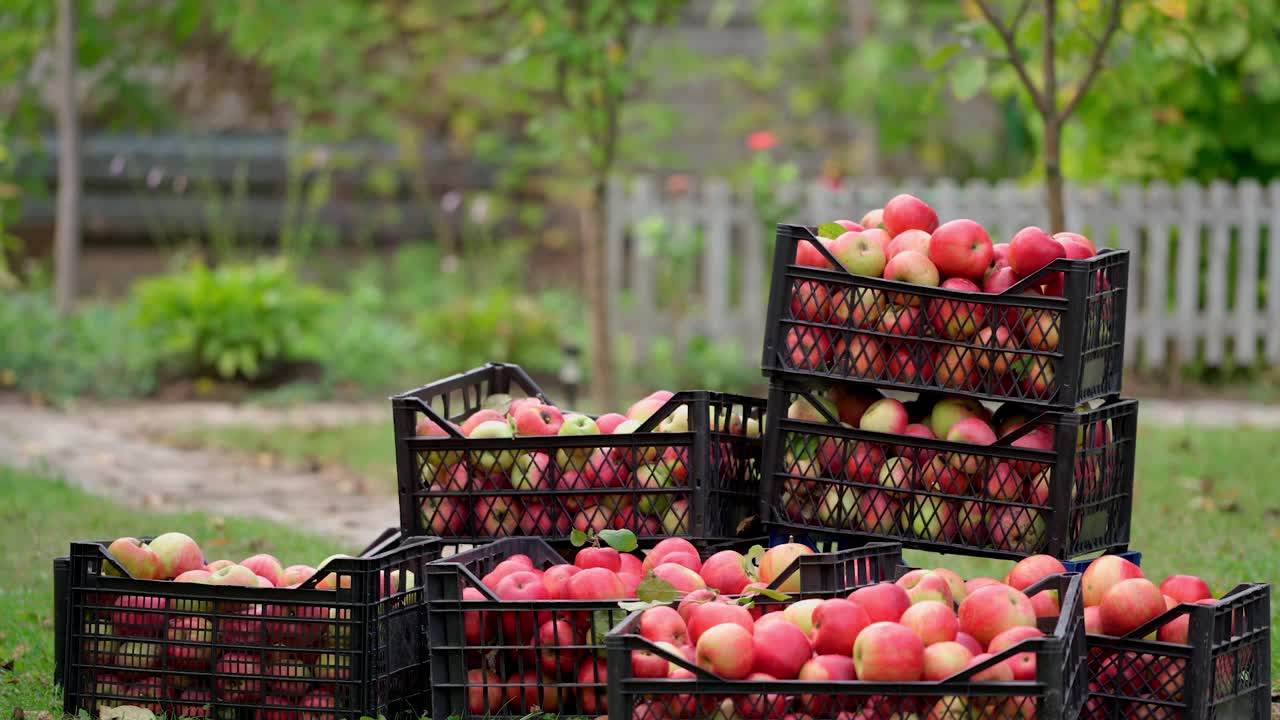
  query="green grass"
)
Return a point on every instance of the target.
[
  {"x": 39, "y": 517},
  {"x": 365, "y": 449}
]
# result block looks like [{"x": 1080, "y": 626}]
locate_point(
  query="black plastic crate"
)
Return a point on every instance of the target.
[
  {"x": 197, "y": 650},
  {"x": 1045, "y": 350},
  {"x": 824, "y": 479},
  {"x": 491, "y": 664},
  {"x": 1223, "y": 672},
  {"x": 1057, "y": 692},
  {"x": 702, "y": 482}
]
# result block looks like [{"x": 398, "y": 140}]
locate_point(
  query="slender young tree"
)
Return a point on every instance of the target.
[{"x": 1046, "y": 96}]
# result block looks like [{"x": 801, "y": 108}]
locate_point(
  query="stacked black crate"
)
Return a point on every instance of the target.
[{"x": 1055, "y": 474}]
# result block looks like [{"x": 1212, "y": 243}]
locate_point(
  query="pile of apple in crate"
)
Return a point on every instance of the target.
[{"x": 710, "y": 556}]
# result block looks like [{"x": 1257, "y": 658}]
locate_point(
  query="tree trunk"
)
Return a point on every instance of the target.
[
  {"x": 1053, "y": 175},
  {"x": 1052, "y": 123},
  {"x": 603, "y": 391},
  {"x": 67, "y": 222}
]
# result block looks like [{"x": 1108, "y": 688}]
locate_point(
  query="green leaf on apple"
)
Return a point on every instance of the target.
[
  {"x": 655, "y": 589},
  {"x": 620, "y": 540},
  {"x": 830, "y": 230},
  {"x": 751, "y": 561},
  {"x": 1019, "y": 366},
  {"x": 578, "y": 538},
  {"x": 771, "y": 594},
  {"x": 602, "y": 621}
]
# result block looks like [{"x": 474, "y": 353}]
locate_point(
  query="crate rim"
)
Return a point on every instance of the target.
[{"x": 838, "y": 270}]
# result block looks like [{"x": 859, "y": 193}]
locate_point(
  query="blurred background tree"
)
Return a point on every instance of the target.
[{"x": 472, "y": 140}]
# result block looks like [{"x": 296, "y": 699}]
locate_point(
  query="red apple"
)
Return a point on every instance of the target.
[
  {"x": 931, "y": 621},
  {"x": 939, "y": 476},
  {"x": 692, "y": 600},
  {"x": 598, "y": 557},
  {"x": 888, "y": 652},
  {"x": 759, "y": 706},
  {"x": 956, "y": 319},
  {"x": 916, "y": 240},
  {"x": 860, "y": 255},
  {"x": 999, "y": 281},
  {"x": 886, "y": 416},
  {"x": 1023, "y": 665},
  {"x": 780, "y": 648},
  {"x": 777, "y": 560},
  {"x": 538, "y": 420},
  {"x": 1104, "y": 573},
  {"x": 1129, "y": 604},
  {"x": 238, "y": 678},
  {"x": 726, "y": 650},
  {"x": 995, "y": 361},
  {"x": 926, "y": 585},
  {"x": 883, "y": 602},
  {"x": 595, "y": 584},
  {"x": 664, "y": 624},
  {"x": 810, "y": 301},
  {"x": 973, "y": 431},
  {"x": 1186, "y": 588},
  {"x": 808, "y": 255},
  {"x": 1031, "y": 249},
  {"x": 912, "y": 267},
  {"x": 810, "y": 347},
  {"x": 723, "y": 571},
  {"x": 907, "y": 212},
  {"x": 1031, "y": 570},
  {"x": 485, "y": 694},
  {"x": 968, "y": 641},
  {"x": 708, "y": 615},
  {"x": 873, "y": 218},
  {"x": 836, "y": 625},
  {"x": 1004, "y": 483},
  {"x": 177, "y": 554},
  {"x": 991, "y": 610},
  {"x": 824, "y": 669},
  {"x": 1000, "y": 672},
  {"x": 944, "y": 659},
  {"x": 684, "y": 579},
  {"x": 266, "y": 566},
  {"x": 961, "y": 249}
]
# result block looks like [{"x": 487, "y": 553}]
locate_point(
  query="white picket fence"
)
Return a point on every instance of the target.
[{"x": 1204, "y": 280}]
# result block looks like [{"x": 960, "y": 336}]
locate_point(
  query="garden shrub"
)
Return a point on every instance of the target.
[{"x": 233, "y": 321}]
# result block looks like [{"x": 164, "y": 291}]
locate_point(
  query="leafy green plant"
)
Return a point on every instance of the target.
[
  {"x": 97, "y": 351},
  {"x": 498, "y": 326},
  {"x": 235, "y": 321}
]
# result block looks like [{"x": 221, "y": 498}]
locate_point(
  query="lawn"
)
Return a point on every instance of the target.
[
  {"x": 364, "y": 449},
  {"x": 1206, "y": 501},
  {"x": 40, "y": 516}
]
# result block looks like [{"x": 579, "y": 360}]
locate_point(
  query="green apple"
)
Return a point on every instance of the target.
[
  {"x": 651, "y": 476},
  {"x": 490, "y": 461},
  {"x": 677, "y": 421},
  {"x": 574, "y": 426}
]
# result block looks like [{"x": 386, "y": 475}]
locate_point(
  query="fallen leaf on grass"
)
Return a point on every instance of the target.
[{"x": 7, "y": 665}]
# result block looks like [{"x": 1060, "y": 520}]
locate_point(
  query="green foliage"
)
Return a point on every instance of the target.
[
  {"x": 98, "y": 351},
  {"x": 501, "y": 325},
  {"x": 234, "y": 321},
  {"x": 701, "y": 363},
  {"x": 1190, "y": 94}
]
